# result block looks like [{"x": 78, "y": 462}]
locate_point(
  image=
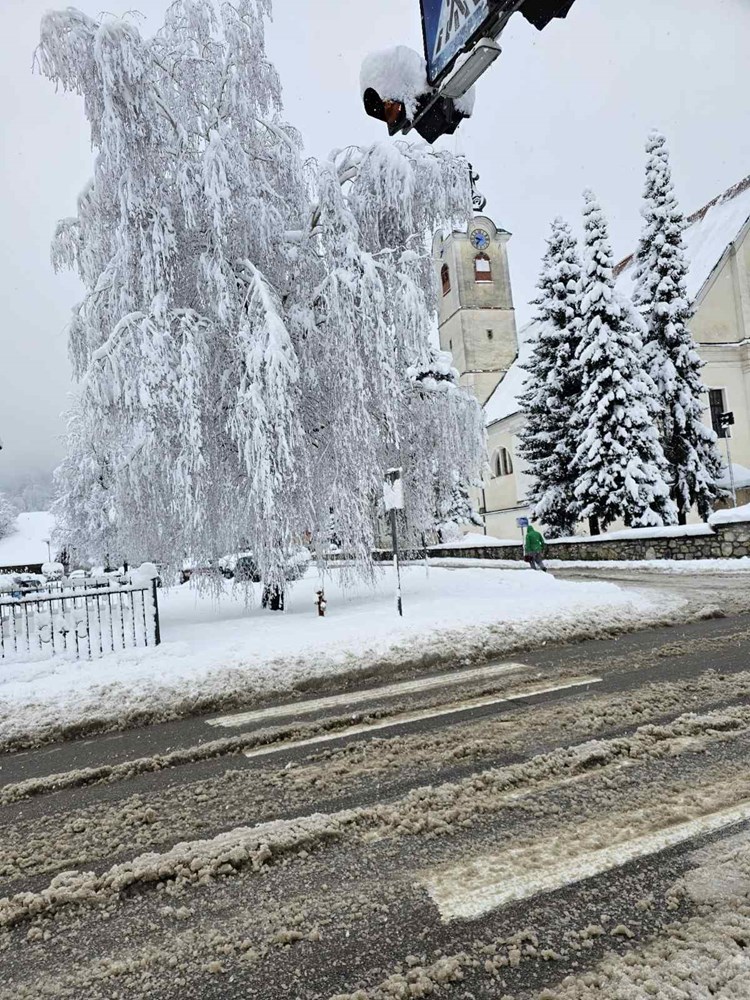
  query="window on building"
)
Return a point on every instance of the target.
[
  {"x": 445, "y": 278},
  {"x": 717, "y": 404},
  {"x": 482, "y": 268},
  {"x": 502, "y": 464}
]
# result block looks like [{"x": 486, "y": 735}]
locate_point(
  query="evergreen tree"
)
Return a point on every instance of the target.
[
  {"x": 250, "y": 317},
  {"x": 619, "y": 462},
  {"x": 553, "y": 388},
  {"x": 673, "y": 362},
  {"x": 456, "y": 511}
]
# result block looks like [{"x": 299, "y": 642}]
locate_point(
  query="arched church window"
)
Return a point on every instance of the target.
[
  {"x": 502, "y": 464},
  {"x": 445, "y": 278},
  {"x": 482, "y": 268}
]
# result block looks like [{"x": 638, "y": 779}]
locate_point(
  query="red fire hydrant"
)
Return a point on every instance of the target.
[{"x": 320, "y": 600}]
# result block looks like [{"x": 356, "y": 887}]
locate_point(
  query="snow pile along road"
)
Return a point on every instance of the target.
[{"x": 221, "y": 654}]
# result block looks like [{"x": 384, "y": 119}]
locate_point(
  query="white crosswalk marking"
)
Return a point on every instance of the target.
[
  {"x": 427, "y": 713},
  {"x": 483, "y": 884},
  {"x": 349, "y": 698}
]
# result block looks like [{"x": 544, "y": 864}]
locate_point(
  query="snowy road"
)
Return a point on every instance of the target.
[{"x": 573, "y": 823}]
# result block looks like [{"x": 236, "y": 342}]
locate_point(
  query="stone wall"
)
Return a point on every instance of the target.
[{"x": 723, "y": 541}]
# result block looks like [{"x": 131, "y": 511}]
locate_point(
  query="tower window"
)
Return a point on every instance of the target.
[
  {"x": 482, "y": 268},
  {"x": 489, "y": 335},
  {"x": 717, "y": 403},
  {"x": 502, "y": 464},
  {"x": 445, "y": 278}
]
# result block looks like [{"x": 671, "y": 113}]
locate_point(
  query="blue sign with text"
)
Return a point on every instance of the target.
[{"x": 448, "y": 25}]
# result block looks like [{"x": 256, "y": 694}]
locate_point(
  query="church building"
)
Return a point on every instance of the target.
[{"x": 478, "y": 326}]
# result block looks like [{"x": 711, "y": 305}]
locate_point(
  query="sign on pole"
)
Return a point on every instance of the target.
[
  {"x": 393, "y": 500},
  {"x": 451, "y": 27},
  {"x": 448, "y": 26},
  {"x": 393, "y": 490},
  {"x": 522, "y": 522}
]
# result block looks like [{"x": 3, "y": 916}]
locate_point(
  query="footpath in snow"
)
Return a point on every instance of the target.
[{"x": 219, "y": 653}]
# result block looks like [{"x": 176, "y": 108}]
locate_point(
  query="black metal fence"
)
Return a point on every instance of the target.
[{"x": 82, "y": 622}]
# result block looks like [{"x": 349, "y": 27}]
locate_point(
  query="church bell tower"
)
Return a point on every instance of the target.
[{"x": 476, "y": 315}]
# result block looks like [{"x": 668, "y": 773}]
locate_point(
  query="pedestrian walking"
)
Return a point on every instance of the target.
[{"x": 533, "y": 548}]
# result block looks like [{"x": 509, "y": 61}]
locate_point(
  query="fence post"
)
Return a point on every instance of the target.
[{"x": 157, "y": 629}]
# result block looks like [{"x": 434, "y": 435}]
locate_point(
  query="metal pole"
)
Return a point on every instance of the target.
[
  {"x": 727, "y": 436},
  {"x": 396, "y": 566},
  {"x": 157, "y": 627}
]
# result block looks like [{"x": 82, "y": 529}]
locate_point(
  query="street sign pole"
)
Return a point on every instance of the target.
[
  {"x": 726, "y": 420},
  {"x": 731, "y": 470},
  {"x": 393, "y": 498},
  {"x": 396, "y": 564},
  {"x": 523, "y": 523}
]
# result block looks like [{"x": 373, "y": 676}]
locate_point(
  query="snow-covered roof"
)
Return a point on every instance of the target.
[
  {"x": 27, "y": 545},
  {"x": 741, "y": 477},
  {"x": 709, "y": 234},
  {"x": 504, "y": 400}
]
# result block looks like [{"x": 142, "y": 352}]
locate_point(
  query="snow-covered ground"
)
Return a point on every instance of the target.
[
  {"x": 213, "y": 651},
  {"x": 27, "y": 543}
]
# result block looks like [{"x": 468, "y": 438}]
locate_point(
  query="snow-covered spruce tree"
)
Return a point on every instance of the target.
[
  {"x": 673, "y": 362},
  {"x": 553, "y": 387},
  {"x": 8, "y": 515},
  {"x": 620, "y": 464},
  {"x": 456, "y": 512},
  {"x": 250, "y": 319}
]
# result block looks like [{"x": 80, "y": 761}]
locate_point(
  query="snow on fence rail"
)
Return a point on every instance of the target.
[{"x": 82, "y": 623}]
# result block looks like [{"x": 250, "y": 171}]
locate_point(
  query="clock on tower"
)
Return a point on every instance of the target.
[{"x": 480, "y": 239}]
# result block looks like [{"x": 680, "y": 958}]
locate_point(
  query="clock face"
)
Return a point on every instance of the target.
[{"x": 480, "y": 239}]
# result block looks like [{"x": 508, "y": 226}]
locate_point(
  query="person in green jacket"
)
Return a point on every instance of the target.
[{"x": 533, "y": 547}]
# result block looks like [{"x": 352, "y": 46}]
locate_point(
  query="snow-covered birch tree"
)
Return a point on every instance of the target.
[
  {"x": 246, "y": 346},
  {"x": 549, "y": 439},
  {"x": 8, "y": 515},
  {"x": 619, "y": 462},
  {"x": 673, "y": 362}
]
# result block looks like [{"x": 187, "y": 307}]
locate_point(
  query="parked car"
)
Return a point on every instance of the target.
[
  {"x": 188, "y": 572},
  {"x": 20, "y": 584},
  {"x": 246, "y": 569}
]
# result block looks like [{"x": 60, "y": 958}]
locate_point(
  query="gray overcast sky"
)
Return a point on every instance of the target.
[{"x": 561, "y": 110}]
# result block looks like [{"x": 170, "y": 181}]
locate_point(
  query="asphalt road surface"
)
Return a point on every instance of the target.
[{"x": 571, "y": 824}]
